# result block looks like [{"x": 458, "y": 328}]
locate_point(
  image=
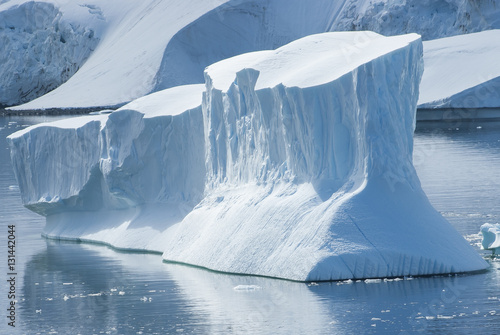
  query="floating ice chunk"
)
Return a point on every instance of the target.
[
  {"x": 461, "y": 72},
  {"x": 491, "y": 236},
  {"x": 247, "y": 288}
]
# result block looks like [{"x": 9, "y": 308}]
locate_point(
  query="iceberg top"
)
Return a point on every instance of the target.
[
  {"x": 302, "y": 63},
  {"x": 173, "y": 101}
]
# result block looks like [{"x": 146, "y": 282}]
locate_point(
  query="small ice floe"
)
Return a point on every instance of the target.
[
  {"x": 491, "y": 236},
  {"x": 247, "y": 288},
  {"x": 313, "y": 284},
  {"x": 146, "y": 299},
  {"x": 94, "y": 294},
  {"x": 121, "y": 293},
  {"x": 13, "y": 188},
  {"x": 65, "y": 298},
  {"x": 373, "y": 281},
  {"x": 113, "y": 289},
  {"x": 38, "y": 311},
  {"x": 445, "y": 317},
  {"x": 67, "y": 283},
  {"x": 348, "y": 282},
  {"x": 49, "y": 299}
]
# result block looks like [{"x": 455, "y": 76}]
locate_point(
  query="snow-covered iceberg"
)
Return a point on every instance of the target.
[
  {"x": 491, "y": 236},
  {"x": 294, "y": 163},
  {"x": 462, "y": 72}
]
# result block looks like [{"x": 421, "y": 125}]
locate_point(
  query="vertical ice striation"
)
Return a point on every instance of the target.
[{"x": 294, "y": 163}]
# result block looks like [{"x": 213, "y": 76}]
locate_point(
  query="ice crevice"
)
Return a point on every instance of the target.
[{"x": 292, "y": 163}]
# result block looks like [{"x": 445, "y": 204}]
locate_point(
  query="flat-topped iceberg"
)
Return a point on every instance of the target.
[{"x": 294, "y": 163}]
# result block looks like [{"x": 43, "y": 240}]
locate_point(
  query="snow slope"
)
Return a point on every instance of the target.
[
  {"x": 294, "y": 163},
  {"x": 150, "y": 45},
  {"x": 462, "y": 72},
  {"x": 125, "y": 63}
]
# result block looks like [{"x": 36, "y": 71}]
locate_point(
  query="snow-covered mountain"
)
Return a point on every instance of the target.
[
  {"x": 109, "y": 52},
  {"x": 293, "y": 163},
  {"x": 462, "y": 72}
]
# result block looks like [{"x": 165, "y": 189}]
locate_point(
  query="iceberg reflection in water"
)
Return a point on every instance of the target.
[{"x": 87, "y": 289}]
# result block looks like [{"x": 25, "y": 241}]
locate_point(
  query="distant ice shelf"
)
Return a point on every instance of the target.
[{"x": 292, "y": 163}]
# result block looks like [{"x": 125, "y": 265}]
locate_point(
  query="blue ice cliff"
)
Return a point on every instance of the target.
[{"x": 293, "y": 163}]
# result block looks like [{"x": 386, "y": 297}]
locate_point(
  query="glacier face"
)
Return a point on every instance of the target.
[
  {"x": 294, "y": 163},
  {"x": 431, "y": 19},
  {"x": 35, "y": 36}
]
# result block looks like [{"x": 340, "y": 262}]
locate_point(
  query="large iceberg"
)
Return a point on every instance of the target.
[{"x": 294, "y": 163}]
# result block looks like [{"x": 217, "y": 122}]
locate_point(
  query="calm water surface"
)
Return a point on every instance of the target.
[{"x": 69, "y": 288}]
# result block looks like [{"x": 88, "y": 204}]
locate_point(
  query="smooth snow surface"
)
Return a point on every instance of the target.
[
  {"x": 462, "y": 72},
  {"x": 295, "y": 163},
  {"x": 491, "y": 236},
  {"x": 109, "y": 52}
]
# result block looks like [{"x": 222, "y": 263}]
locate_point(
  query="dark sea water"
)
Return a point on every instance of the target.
[{"x": 70, "y": 288}]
